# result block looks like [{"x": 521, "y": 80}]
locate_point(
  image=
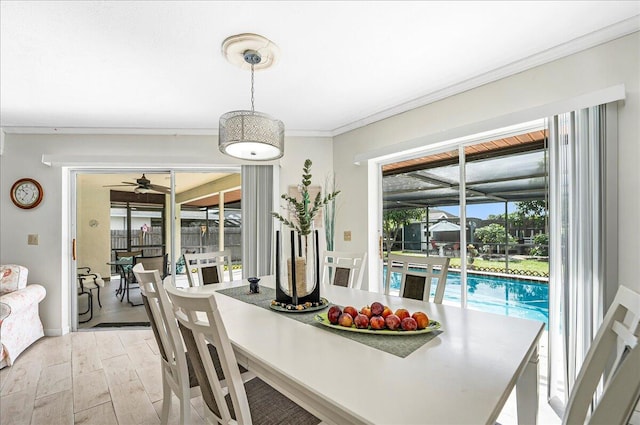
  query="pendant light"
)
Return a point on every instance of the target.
[{"x": 244, "y": 134}]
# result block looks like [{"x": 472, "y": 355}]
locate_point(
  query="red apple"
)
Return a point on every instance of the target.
[
  {"x": 334, "y": 314},
  {"x": 402, "y": 313},
  {"x": 377, "y": 308},
  {"x": 409, "y": 324},
  {"x": 366, "y": 311},
  {"x": 421, "y": 318},
  {"x": 345, "y": 320},
  {"x": 387, "y": 311},
  {"x": 361, "y": 321},
  {"x": 393, "y": 322},
  {"x": 377, "y": 322},
  {"x": 351, "y": 310}
]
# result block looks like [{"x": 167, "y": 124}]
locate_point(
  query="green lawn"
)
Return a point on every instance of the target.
[{"x": 514, "y": 264}]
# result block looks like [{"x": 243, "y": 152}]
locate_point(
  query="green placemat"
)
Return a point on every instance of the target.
[{"x": 400, "y": 346}]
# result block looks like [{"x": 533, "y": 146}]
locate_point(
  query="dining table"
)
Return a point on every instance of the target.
[{"x": 463, "y": 373}]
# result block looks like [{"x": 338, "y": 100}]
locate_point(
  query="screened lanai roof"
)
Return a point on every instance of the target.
[{"x": 495, "y": 172}]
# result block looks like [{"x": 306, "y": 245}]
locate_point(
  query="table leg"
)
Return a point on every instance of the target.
[{"x": 527, "y": 392}]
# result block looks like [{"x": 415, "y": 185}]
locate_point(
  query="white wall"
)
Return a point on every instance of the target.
[
  {"x": 93, "y": 243},
  {"x": 613, "y": 63},
  {"x": 49, "y": 262}
]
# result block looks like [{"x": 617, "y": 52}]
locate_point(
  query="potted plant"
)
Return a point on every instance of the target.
[{"x": 301, "y": 212}]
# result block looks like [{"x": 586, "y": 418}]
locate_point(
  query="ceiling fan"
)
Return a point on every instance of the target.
[{"x": 143, "y": 185}]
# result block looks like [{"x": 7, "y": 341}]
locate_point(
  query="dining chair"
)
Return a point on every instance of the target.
[
  {"x": 252, "y": 402},
  {"x": 417, "y": 275},
  {"x": 208, "y": 267},
  {"x": 157, "y": 262},
  {"x": 616, "y": 338},
  {"x": 178, "y": 376},
  {"x": 343, "y": 268},
  {"x": 87, "y": 283}
]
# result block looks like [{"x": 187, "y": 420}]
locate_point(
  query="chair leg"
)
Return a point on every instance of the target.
[
  {"x": 99, "y": 303},
  {"x": 88, "y": 295},
  {"x": 89, "y": 307},
  {"x": 166, "y": 399}
]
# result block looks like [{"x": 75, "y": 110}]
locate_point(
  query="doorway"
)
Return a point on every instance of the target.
[{"x": 115, "y": 213}]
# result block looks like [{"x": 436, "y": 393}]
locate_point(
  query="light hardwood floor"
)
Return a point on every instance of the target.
[{"x": 102, "y": 377}]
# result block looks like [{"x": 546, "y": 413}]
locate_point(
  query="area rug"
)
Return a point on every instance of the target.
[{"x": 120, "y": 324}]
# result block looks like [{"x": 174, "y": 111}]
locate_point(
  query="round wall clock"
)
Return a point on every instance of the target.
[{"x": 26, "y": 193}]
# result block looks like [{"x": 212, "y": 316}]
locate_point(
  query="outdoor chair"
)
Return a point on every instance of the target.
[
  {"x": 87, "y": 283},
  {"x": 243, "y": 403},
  {"x": 125, "y": 258},
  {"x": 616, "y": 339},
  {"x": 343, "y": 268},
  {"x": 208, "y": 267},
  {"x": 417, "y": 274}
]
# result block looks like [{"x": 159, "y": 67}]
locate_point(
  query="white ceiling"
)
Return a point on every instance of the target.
[
  {"x": 156, "y": 66},
  {"x": 184, "y": 181}
]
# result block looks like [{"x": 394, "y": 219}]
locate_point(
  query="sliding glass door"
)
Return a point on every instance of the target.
[{"x": 483, "y": 205}]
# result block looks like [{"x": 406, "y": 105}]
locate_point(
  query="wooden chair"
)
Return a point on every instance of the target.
[
  {"x": 208, "y": 266},
  {"x": 617, "y": 338},
  {"x": 343, "y": 268},
  {"x": 254, "y": 402},
  {"x": 178, "y": 376},
  {"x": 417, "y": 274}
]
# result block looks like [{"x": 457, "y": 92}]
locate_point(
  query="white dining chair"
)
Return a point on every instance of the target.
[
  {"x": 617, "y": 338},
  {"x": 177, "y": 372},
  {"x": 417, "y": 275},
  {"x": 253, "y": 402},
  {"x": 343, "y": 268},
  {"x": 208, "y": 267}
]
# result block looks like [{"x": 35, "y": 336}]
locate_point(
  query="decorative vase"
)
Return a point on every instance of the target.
[{"x": 297, "y": 268}]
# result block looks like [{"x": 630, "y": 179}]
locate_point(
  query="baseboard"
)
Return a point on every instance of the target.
[{"x": 56, "y": 332}]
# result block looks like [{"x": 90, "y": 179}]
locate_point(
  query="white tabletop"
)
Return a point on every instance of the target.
[{"x": 463, "y": 376}]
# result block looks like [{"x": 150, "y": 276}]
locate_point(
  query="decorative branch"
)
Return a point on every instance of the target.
[{"x": 304, "y": 211}]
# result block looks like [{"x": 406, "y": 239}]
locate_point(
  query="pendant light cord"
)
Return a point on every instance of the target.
[{"x": 252, "y": 108}]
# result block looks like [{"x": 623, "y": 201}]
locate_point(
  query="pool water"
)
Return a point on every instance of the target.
[{"x": 509, "y": 297}]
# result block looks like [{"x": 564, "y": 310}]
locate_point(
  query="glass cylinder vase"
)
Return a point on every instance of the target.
[{"x": 297, "y": 267}]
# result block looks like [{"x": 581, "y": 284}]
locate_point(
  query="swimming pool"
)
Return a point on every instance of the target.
[{"x": 509, "y": 297}]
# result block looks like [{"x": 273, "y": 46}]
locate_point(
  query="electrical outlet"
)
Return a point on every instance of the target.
[
  {"x": 32, "y": 239},
  {"x": 347, "y": 235}
]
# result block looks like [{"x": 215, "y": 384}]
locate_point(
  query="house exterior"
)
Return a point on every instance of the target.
[{"x": 554, "y": 87}]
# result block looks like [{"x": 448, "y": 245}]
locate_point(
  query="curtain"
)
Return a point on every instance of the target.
[
  {"x": 577, "y": 195},
  {"x": 257, "y": 223}
]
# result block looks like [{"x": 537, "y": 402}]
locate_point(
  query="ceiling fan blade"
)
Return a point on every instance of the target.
[
  {"x": 120, "y": 185},
  {"x": 158, "y": 188}
]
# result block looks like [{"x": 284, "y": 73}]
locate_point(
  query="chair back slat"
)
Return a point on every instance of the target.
[
  {"x": 616, "y": 338},
  {"x": 200, "y": 321},
  {"x": 208, "y": 267},
  {"x": 343, "y": 268},
  {"x": 417, "y": 275}
]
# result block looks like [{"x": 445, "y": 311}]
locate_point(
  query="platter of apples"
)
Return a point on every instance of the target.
[{"x": 377, "y": 319}]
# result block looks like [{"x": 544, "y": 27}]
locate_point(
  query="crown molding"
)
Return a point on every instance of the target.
[
  {"x": 144, "y": 131},
  {"x": 585, "y": 42}
]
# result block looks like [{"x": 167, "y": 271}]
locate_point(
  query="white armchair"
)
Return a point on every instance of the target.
[{"x": 23, "y": 326}]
